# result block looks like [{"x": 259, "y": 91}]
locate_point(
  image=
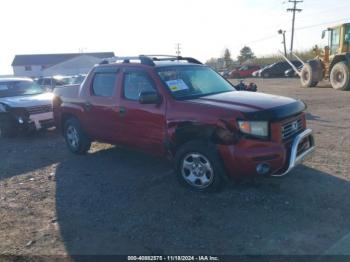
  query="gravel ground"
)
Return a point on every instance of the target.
[{"x": 118, "y": 201}]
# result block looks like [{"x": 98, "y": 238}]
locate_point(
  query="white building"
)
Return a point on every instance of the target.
[{"x": 56, "y": 64}]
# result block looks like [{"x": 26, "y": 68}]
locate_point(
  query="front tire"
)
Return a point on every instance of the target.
[
  {"x": 199, "y": 166},
  {"x": 340, "y": 76},
  {"x": 77, "y": 141}
]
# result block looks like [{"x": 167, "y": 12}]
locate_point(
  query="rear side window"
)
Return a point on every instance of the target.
[
  {"x": 135, "y": 83},
  {"x": 104, "y": 84}
]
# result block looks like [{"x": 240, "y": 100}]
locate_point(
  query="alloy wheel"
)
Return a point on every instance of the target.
[
  {"x": 197, "y": 170},
  {"x": 72, "y": 136}
]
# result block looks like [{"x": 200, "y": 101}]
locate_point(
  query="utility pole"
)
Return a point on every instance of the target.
[
  {"x": 283, "y": 33},
  {"x": 294, "y": 9},
  {"x": 178, "y": 49}
]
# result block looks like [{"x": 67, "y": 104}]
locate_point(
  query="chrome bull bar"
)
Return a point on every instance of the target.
[{"x": 295, "y": 159}]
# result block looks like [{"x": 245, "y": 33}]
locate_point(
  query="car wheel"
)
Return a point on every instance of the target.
[
  {"x": 7, "y": 128},
  {"x": 76, "y": 139},
  {"x": 199, "y": 166},
  {"x": 340, "y": 76},
  {"x": 266, "y": 75}
]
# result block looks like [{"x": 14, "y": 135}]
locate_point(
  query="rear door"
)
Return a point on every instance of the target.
[
  {"x": 101, "y": 116},
  {"x": 143, "y": 125}
]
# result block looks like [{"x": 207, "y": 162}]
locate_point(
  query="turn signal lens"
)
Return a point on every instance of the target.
[
  {"x": 254, "y": 128},
  {"x": 244, "y": 126}
]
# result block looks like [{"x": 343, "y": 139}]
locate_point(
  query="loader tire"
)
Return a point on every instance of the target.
[
  {"x": 340, "y": 76},
  {"x": 311, "y": 74}
]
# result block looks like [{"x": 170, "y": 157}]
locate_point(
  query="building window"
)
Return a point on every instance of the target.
[{"x": 28, "y": 68}]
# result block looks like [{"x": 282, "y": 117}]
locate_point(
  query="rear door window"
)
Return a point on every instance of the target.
[{"x": 104, "y": 84}]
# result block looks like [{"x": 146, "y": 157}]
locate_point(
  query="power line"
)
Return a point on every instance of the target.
[
  {"x": 261, "y": 39},
  {"x": 317, "y": 12},
  {"x": 297, "y": 29},
  {"x": 294, "y": 9},
  {"x": 326, "y": 23}
]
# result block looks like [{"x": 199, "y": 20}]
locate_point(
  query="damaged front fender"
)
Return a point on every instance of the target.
[{"x": 180, "y": 132}]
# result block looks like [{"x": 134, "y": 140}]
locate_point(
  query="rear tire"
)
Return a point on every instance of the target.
[
  {"x": 311, "y": 74},
  {"x": 340, "y": 76},
  {"x": 76, "y": 139},
  {"x": 199, "y": 167}
]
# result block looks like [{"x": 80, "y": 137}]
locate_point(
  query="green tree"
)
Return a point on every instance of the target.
[
  {"x": 246, "y": 53},
  {"x": 213, "y": 63},
  {"x": 227, "y": 58}
]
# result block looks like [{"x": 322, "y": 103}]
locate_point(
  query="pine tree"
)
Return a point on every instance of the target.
[{"x": 246, "y": 53}]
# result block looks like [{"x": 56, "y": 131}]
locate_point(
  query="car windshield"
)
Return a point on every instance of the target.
[
  {"x": 187, "y": 82},
  {"x": 63, "y": 81},
  {"x": 19, "y": 88},
  {"x": 77, "y": 80}
]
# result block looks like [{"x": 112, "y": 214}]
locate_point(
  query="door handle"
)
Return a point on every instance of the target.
[
  {"x": 87, "y": 106},
  {"x": 122, "y": 111}
]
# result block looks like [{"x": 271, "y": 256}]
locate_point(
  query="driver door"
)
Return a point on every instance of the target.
[{"x": 142, "y": 125}]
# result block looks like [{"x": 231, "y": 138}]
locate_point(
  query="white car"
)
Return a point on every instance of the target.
[{"x": 24, "y": 105}]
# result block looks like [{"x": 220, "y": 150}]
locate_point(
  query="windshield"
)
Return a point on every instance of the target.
[
  {"x": 77, "y": 80},
  {"x": 19, "y": 88},
  {"x": 63, "y": 81},
  {"x": 186, "y": 82}
]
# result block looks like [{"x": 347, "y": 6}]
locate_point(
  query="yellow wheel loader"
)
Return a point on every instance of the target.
[{"x": 332, "y": 63}]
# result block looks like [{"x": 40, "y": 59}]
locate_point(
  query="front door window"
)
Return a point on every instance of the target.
[{"x": 335, "y": 40}]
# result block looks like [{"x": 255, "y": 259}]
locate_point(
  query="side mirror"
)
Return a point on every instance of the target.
[
  {"x": 149, "y": 97},
  {"x": 323, "y": 33}
]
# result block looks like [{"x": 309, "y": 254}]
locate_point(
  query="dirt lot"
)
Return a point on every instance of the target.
[{"x": 115, "y": 201}]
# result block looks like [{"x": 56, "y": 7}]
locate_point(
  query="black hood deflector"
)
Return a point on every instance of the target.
[{"x": 277, "y": 113}]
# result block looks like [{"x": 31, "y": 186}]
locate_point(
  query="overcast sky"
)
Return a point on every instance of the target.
[{"x": 131, "y": 27}]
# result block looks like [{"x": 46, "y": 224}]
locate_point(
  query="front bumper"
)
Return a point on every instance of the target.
[
  {"x": 241, "y": 160},
  {"x": 297, "y": 157},
  {"x": 34, "y": 122}
]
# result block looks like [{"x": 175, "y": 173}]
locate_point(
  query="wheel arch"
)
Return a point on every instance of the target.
[
  {"x": 185, "y": 131},
  {"x": 64, "y": 117}
]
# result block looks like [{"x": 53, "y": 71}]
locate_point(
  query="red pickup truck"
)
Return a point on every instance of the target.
[{"x": 179, "y": 108}]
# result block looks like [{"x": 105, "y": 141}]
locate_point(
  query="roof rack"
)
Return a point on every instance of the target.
[{"x": 148, "y": 59}]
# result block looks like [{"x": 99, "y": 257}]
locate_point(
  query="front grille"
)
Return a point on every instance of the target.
[
  {"x": 39, "y": 109},
  {"x": 292, "y": 127},
  {"x": 46, "y": 123}
]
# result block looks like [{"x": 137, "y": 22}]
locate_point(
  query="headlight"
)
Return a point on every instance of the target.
[{"x": 254, "y": 128}]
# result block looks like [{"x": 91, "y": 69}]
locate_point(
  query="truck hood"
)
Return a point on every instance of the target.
[
  {"x": 28, "y": 100},
  {"x": 253, "y": 105}
]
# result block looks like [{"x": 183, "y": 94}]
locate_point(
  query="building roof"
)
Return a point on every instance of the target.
[{"x": 53, "y": 59}]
